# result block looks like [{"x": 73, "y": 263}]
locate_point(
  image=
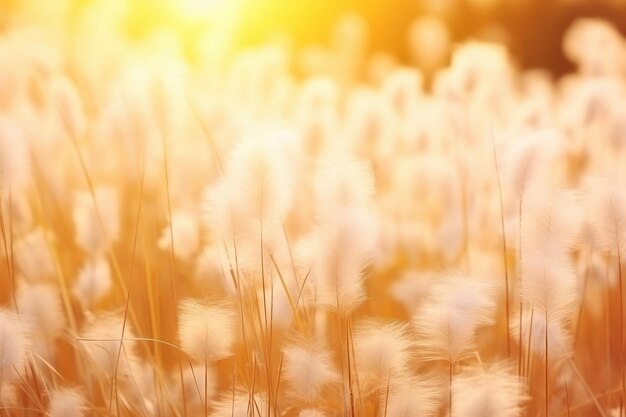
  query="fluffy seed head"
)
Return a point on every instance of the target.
[
  {"x": 66, "y": 403},
  {"x": 258, "y": 173},
  {"x": 549, "y": 232},
  {"x": 340, "y": 182},
  {"x": 345, "y": 244},
  {"x": 412, "y": 397},
  {"x": 239, "y": 404},
  {"x": 34, "y": 257},
  {"x": 93, "y": 282},
  {"x": 605, "y": 207},
  {"x": 493, "y": 392},
  {"x": 97, "y": 225},
  {"x": 308, "y": 369},
  {"x": 382, "y": 350},
  {"x": 40, "y": 306},
  {"x": 447, "y": 323},
  {"x": 206, "y": 331},
  {"x": 14, "y": 162},
  {"x": 13, "y": 346},
  {"x": 184, "y": 232}
]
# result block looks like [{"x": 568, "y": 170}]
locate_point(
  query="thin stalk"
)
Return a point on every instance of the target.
[
  {"x": 280, "y": 370},
  {"x": 504, "y": 251},
  {"x": 621, "y": 322},
  {"x": 567, "y": 396},
  {"x": 450, "y": 370},
  {"x": 530, "y": 337},
  {"x": 520, "y": 269},
  {"x": 206, "y": 383},
  {"x": 387, "y": 396},
  {"x": 582, "y": 303},
  {"x": 349, "y": 370},
  {"x": 127, "y": 305},
  {"x": 8, "y": 247},
  {"x": 547, "y": 368}
]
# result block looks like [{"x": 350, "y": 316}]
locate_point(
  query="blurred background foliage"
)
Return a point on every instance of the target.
[{"x": 531, "y": 29}]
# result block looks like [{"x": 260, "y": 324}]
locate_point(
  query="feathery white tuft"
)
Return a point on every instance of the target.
[
  {"x": 14, "y": 161},
  {"x": 93, "y": 282},
  {"x": 66, "y": 403},
  {"x": 559, "y": 336},
  {"x": 383, "y": 351},
  {"x": 240, "y": 405},
  {"x": 527, "y": 161},
  {"x": 446, "y": 324},
  {"x": 33, "y": 255},
  {"x": 97, "y": 225},
  {"x": 14, "y": 346},
  {"x": 261, "y": 182},
  {"x": 206, "y": 331},
  {"x": 412, "y": 397},
  {"x": 550, "y": 230},
  {"x": 345, "y": 244},
  {"x": 212, "y": 268},
  {"x": 184, "y": 232},
  {"x": 218, "y": 211},
  {"x": 493, "y": 392},
  {"x": 605, "y": 206},
  {"x": 308, "y": 369},
  {"x": 40, "y": 306},
  {"x": 342, "y": 181}
]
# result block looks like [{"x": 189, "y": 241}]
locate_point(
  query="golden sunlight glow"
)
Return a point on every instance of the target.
[{"x": 203, "y": 9}]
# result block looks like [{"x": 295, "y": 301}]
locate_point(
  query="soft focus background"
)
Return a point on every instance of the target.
[
  {"x": 532, "y": 29},
  {"x": 261, "y": 208}
]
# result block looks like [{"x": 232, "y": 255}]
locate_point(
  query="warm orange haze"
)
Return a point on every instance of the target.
[{"x": 233, "y": 208}]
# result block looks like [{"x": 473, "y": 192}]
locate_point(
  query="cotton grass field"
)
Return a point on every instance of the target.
[{"x": 307, "y": 231}]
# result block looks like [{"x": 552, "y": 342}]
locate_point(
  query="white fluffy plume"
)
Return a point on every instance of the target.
[
  {"x": 66, "y": 403},
  {"x": 415, "y": 396},
  {"x": 383, "y": 351},
  {"x": 40, "y": 306},
  {"x": 13, "y": 346},
  {"x": 34, "y": 256},
  {"x": 534, "y": 331},
  {"x": 258, "y": 174},
  {"x": 206, "y": 331},
  {"x": 14, "y": 161},
  {"x": 605, "y": 206},
  {"x": 93, "y": 282},
  {"x": 240, "y": 404},
  {"x": 493, "y": 392},
  {"x": 345, "y": 243},
  {"x": 308, "y": 369},
  {"x": 446, "y": 324},
  {"x": 97, "y": 223},
  {"x": 183, "y": 230},
  {"x": 342, "y": 181},
  {"x": 550, "y": 230}
]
